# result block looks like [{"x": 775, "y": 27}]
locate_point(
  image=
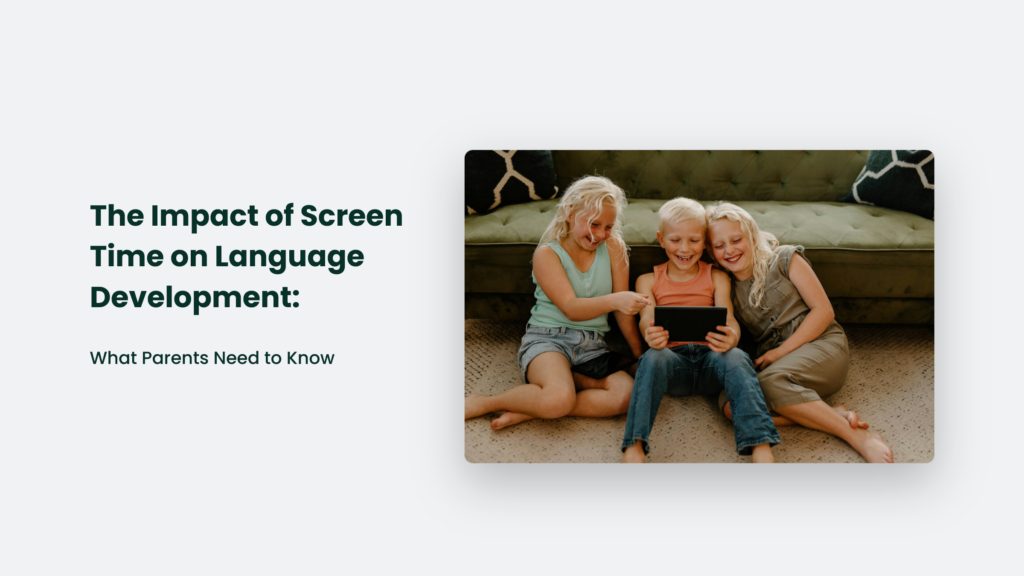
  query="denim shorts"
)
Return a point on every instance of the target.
[{"x": 578, "y": 346}]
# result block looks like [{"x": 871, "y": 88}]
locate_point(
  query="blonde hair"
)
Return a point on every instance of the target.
[
  {"x": 762, "y": 245},
  {"x": 584, "y": 197},
  {"x": 679, "y": 210}
]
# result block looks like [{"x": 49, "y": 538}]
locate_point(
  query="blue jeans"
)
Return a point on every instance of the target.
[{"x": 696, "y": 369}]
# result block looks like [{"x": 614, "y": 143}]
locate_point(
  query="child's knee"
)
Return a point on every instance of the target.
[
  {"x": 556, "y": 403},
  {"x": 621, "y": 387},
  {"x": 739, "y": 374},
  {"x": 623, "y": 403},
  {"x": 662, "y": 357},
  {"x": 735, "y": 357}
]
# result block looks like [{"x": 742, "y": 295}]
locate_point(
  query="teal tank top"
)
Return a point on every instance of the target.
[{"x": 596, "y": 282}]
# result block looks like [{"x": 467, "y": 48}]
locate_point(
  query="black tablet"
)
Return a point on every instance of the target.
[{"x": 689, "y": 323}]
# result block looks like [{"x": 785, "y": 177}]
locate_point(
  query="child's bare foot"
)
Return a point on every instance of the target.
[
  {"x": 475, "y": 405},
  {"x": 634, "y": 454},
  {"x": 509, "y": 419},
  {"x": 851, "y": 417},
  {"x": 762, "y": 454},
  {"x": 872, "y": 447}
]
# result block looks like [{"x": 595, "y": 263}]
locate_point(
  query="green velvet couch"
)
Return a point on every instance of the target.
[{"x": 877, "y": 265}]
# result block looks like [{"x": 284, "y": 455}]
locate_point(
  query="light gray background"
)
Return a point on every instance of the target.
[{"x": 359, "y": 466}]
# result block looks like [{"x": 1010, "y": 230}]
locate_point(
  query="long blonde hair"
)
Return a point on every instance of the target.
[
  {"x": 584, "y": 197},
  {"x": 762, "y": 245}
]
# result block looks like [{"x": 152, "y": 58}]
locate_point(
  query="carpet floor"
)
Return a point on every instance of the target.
[{"x": 891, "y": 385}]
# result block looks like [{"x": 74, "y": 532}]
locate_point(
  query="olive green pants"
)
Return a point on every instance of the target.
[{"x": 811, "y": 372}]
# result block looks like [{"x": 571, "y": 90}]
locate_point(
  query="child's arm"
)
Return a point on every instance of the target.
[
  {"x": 620, "y": 283},
  {"x": 547, "y": 268},
  {"x": 728, "y": 336},
  {"x": 656, "y": 336},
  {"x": 816, "y": 321}
]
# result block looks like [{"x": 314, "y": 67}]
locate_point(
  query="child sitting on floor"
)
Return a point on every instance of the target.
[
  {"x": 688, "y": 368},
  {"x": 582, "y": 273},
  {"x": 803, "y": 354}
]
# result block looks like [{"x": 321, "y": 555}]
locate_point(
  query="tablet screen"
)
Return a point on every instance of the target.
[{"x": 689, "y": 323}]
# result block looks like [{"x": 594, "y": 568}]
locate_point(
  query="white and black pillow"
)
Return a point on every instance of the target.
[
  {"x": 501, "y": 177},
  {"x": 898, "y": 179}
]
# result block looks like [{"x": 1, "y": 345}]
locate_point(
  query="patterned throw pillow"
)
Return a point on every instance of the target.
[
  {"x": 899, "y": 179},
  {"x": 501, "y": 177}
]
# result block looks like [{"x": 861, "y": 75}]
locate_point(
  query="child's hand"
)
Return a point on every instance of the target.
[
  {"x": 724, "y": 340},
  {"x": 768, "y": 358},
  {"x": 629, "y": 302},
  {"x": 656, "y": 337}
]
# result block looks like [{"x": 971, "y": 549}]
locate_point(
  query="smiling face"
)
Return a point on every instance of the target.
[
  {"x": 731, "y": 248},
  {"x": 683, "y": 243},
  {"x": 590, "y": 229}
]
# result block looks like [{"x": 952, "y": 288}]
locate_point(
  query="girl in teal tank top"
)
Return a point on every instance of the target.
[
  {"x": 581, "y": 271},
  {"x": 594, "y": 283}
]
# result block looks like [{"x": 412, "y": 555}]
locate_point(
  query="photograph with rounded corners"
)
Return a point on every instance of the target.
[{"x": 699, "y": 306}]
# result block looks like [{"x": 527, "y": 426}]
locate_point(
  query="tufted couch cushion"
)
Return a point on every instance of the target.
[
  {"x": 859, "y": 252},
  {"x": 876, "y": 264},
  {"x": 765, "y": 175},
  {"x": 831, "y": 225}
]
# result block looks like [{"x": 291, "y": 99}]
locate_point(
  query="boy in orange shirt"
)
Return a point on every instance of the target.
[{"x": 688, "y": 368}]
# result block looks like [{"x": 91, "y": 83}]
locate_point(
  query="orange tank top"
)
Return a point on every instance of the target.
[{"x": 699, "y": 291}]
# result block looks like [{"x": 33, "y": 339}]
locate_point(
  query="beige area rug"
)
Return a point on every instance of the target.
[{"x": 891, "y": 385}]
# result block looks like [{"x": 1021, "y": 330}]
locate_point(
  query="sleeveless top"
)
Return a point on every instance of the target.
[
  {"x": 595, "y": 283},
  {"x": 698, "y": 291},
  {"x": 786, "y": 309}
]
